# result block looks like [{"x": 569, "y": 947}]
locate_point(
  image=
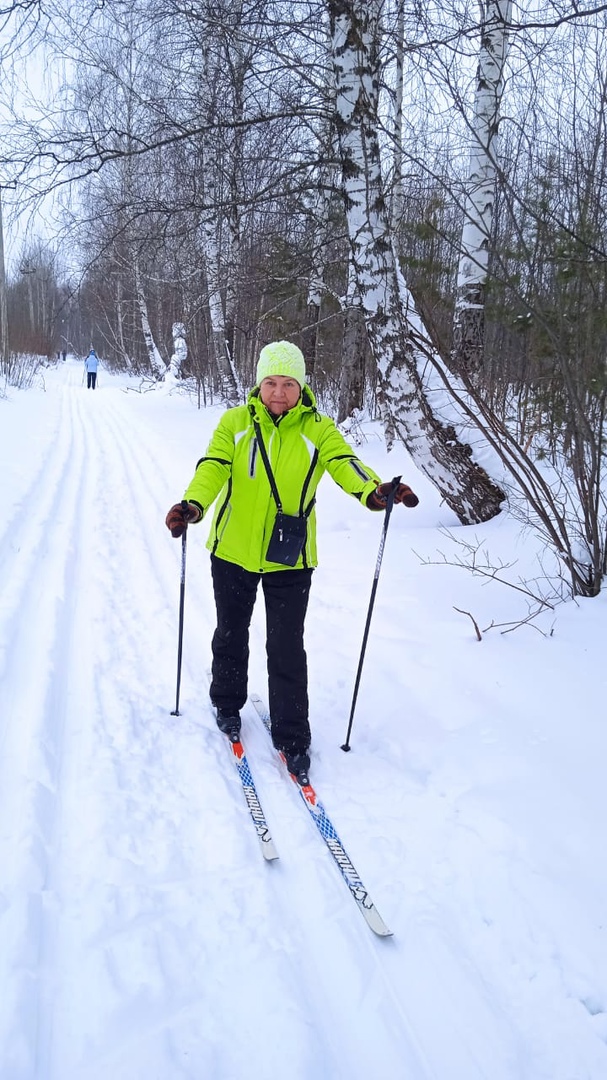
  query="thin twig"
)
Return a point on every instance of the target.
[{"x": 474, "y": 622}]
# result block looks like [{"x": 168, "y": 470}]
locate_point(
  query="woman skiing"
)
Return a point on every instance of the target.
[{"x": 265, "y": 461}]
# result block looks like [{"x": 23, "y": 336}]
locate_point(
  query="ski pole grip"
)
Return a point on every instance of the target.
[{"x": 393, "y": 486}]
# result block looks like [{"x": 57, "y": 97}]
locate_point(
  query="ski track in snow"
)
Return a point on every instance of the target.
[
  {"x": 123, "y": 820},
  {"x": 141, "y": 935}
]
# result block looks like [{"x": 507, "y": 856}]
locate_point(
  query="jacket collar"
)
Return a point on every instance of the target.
[{"x": 306, "y": 404}]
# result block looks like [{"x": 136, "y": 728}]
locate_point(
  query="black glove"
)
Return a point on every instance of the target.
[
  {"x": 378, "y": 499},
  {"x": 181, "y": 515}
]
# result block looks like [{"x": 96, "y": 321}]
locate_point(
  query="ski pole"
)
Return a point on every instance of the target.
[
  {"x": 380, "y": 555},
  {"x": 175, "y": 711}
]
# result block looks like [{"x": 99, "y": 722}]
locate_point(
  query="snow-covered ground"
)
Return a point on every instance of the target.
[{"x": 142, "y": 936}]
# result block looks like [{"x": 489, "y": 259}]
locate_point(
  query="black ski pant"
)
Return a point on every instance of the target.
[
  {"x": 286, "y": 599},
  {"x": 91, "y": 379}
]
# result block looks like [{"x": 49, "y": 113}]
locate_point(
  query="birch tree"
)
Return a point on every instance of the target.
[
  {"x": 468, "y": 324},
  {"x": 157, "y": 364},
  {"x": 180, "y": 353},
  {"x": 400, "y": 346},
  {"x": 397, "y": 182}
]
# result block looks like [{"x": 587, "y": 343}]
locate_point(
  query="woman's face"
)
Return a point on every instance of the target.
[{"x": 279, "y": 393}]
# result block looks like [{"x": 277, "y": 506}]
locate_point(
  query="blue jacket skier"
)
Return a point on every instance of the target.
[{"x": 91, "y": 364}]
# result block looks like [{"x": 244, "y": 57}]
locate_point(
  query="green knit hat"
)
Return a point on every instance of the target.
[{"x": 281, "y": 358}]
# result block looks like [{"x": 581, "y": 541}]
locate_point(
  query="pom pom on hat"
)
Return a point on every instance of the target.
[{"x": 281, "y": 358}]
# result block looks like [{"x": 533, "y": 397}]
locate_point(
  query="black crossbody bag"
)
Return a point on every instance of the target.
[{"x": 289, "y": 533}]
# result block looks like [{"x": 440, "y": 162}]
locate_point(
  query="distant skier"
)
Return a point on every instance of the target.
[
  {"x": 91, "y": 364},
  {"x": 276, "y": 447}
]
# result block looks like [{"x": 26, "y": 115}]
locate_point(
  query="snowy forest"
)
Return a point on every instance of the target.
[{"x": 414, "y": 194}]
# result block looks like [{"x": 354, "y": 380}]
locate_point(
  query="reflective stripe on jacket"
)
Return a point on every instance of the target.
[{"x": 302, "y": 445}]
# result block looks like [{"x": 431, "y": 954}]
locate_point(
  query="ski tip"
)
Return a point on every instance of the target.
[
  {"x": 382, "y": 931},
  {"x": 376, "y": 923}
]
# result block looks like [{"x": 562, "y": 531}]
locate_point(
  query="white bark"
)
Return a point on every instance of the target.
[
  {"x": 397, "y": 184},
  {"x": 180, "y": 351},
  {"x": 474, "y": 260},
  {"x": 468, "y": 323},
  {"x": 156, "y": 362},
  {"x": 221, "y": 354},
  {"x": 399, "y": 343}
]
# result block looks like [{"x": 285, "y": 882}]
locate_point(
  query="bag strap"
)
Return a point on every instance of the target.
[
  {"x": 264, "y": 457},
  {"x": 268, "y": 468}
]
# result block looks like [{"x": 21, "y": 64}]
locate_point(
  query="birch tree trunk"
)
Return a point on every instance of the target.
[
  {"x": 233, "y": 260},
  {"x": 180, "y": 352},
  {"x": 397, "y": 183},
  {"x": 157, "y": 364},
  {"x": 218, "y": 335},
  {"x": 387, "y": 304},
  {"x": 315, "y": 284},
  {"x": 469, "y": 318}
]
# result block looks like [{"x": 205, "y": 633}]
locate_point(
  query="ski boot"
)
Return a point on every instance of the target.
[
  {"x": 298, "y": 764},
  {"x": 229, "y": 723}
]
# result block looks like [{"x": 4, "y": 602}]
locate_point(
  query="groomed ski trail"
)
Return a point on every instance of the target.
[{"x": 132, "y": 874}]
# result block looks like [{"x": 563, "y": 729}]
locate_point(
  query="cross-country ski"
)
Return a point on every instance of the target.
[
  {"x": 243, "y": 768},
  {"x": 329, "y": 834}
]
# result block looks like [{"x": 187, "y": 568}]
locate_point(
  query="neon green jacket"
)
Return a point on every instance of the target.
[{"x": 301, "y": 445}]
